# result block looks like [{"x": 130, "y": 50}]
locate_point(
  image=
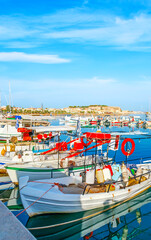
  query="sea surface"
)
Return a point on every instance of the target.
[{"x": 129, "y": 220}]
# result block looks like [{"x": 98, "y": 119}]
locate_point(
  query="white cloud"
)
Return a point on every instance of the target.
[
  {"x": 117, "y": 32},
  {"x": 20, "y": 44},
  {"x": 97, "y": 80},
  {"x": 14, "y": 28},
  {"x": 62, "y": 86},
  {"x": 77, "y": 25},
  {"x": 61, "y": 92},
  {"x": 109, "y": 31},
  {"x": 35, "y": 58},
  {"x": 75, "y": 83}
]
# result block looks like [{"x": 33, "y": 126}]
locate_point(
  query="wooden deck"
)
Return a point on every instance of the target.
[{"x": 72, "y": 189}]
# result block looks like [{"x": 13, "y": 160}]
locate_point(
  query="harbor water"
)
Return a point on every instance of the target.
[{"x": 128, "y": 220}]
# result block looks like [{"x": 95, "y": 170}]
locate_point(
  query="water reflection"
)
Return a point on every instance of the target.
[
  {"x": 129, "y": 220},
  {"x": 125, "y": 221}
]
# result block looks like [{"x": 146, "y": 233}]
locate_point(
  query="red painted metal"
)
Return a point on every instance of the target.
[
  {"x": 98, "y": 136},
  {"x": 23, "y": 130},
  {"x": 78, "y": 146}
]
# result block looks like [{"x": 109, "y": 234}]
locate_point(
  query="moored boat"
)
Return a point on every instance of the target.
[
  {"x": 69, "y": 195},
  {"x": 53, "y": 167},
  {"x": 77, "y": 225}
]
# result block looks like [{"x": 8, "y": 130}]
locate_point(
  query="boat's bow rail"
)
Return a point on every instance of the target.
[{"x": 107, "y": 185}]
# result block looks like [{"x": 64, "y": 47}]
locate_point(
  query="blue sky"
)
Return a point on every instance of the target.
[{"x": 76, "y": 52}]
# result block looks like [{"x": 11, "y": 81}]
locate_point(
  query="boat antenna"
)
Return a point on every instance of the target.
[
  {"x": 6, "y": 100},
  {"x": 9, "y": 97},
  {"x": 78, "y": 131}
]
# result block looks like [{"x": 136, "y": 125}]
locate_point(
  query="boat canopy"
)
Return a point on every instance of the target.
[
  {"x": 41, "y": 129},
  {"x": 97, "y": 136}
]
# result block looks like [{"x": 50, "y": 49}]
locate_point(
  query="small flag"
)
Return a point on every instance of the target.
[
  {"x": 17, "y": 124},
  {"x": 114, "y": 144}
]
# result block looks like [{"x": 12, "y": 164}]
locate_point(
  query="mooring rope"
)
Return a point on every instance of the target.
[{"x": 54, "y": 184}]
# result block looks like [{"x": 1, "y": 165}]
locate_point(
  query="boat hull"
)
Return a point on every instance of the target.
[
  {"x": 39, "y": 173},
  {"x": 34, "y": 173},
  {"x": 42, "y": 201},
  {"x": 79, "y": 224}
]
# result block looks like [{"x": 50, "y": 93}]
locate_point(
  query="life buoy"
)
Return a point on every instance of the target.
[
  {"x": 129, "y": 152},
  {"x": 88, "y": 236},
  {"x": 69, "y": 164},
  {"x": 61, "y": 163},
  {"x": 14, "y": 139},
  {"x": 85, "y": 144}
]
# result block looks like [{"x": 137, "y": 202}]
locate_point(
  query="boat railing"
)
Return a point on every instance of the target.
[
  {"x": 71, "y": 169},
  {"x": 111, "y": 182}
]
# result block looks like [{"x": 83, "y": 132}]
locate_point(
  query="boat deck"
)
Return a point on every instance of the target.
[
  {"x": 72, "y": 189},
  {"x": 79, "y": 189}
]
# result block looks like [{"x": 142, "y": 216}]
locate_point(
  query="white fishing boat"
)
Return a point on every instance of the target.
[
  {"x": 78, "y": 225},
  {"x": 9, "y": 127},
  {"x": 72, "y": 120},
  {"x": 21, "y": 139},
  {"x": 7, "y": 131},
  {"x": 19, "y": 153},
  {"x": 59, "y": 164},
  {"x": 41, "y": 167},
  {"x": 43, "y": 142},
  {"x": 66, "y": 195},
  {"x": 38, "y": 117}
]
